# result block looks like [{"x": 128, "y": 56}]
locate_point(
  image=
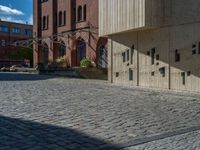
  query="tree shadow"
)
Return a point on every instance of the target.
[
  {"x": 21, "y": 134},
  {"x": 22, "y": 77}
]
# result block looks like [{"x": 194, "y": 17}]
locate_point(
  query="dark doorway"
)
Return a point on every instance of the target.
[
  {"x": 102, "y": 62},
  {"x": 81, "y": 50},
  {"x": 45, "y": 54},
  {"x": 62, "y": 49}
]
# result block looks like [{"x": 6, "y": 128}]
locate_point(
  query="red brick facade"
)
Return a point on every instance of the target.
[
  {"x": 76, "y": 23},
  {"x": 10, "y": 33}
]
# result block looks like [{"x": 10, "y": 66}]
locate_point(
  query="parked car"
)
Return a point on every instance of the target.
[
  {"x": 18, "y": 68},
  {"x": 4, "y": 69}
]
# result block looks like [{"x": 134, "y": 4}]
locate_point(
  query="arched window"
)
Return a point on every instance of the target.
[
  {"x": 84, "y": 12},
  {"x": 81, "y": 49},
  {"x": 79, "y": 13},
  {"x": 44, "y": 22},
  {"x": 64, "y": 18},
  {"x": 62, "y": 49},
  {"x": 102, "y": 62},
  {"x": 60, "y": 18},
  {"x": 45, "y": 54}
]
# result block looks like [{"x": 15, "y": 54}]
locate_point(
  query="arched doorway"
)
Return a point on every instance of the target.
[
  {"x": 45, "y": 54},
  {"x": 102, "y": 53},
  {"x": 81, "y": 50},
  {"x": 62, "y": 49}
]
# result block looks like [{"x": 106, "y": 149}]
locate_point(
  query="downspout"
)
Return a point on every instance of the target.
[
  {"x": 169, "y": 59},
  {"x": 111, "y": 53},
  {"x": 138, "y": 69}
]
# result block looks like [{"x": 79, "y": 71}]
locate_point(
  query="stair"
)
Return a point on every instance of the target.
[{"x": 77, "y": 72}]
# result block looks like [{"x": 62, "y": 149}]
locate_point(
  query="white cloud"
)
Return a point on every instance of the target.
[
  {"x": 10, "y": 11},
  {"x": 11, "y": 19}
]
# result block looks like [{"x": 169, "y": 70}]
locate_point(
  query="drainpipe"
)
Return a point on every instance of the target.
[
  {"x": 169, "y": 59},
  {"x": 111, "y": 53},
  {"x": 138, "y": 69}
]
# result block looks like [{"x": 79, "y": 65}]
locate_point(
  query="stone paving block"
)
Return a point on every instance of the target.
[{"x": 92, "y": 113}]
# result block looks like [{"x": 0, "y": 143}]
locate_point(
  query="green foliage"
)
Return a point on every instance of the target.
[
  {"x": 62, "y": 61},
  {"x": 23, "y": 53},
  {"x": 85, "y": 62}
]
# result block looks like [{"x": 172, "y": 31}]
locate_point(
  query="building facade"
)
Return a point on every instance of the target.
[
  {"x": 68, "y": 28},
  {"x": 10, "y": 33},
  {"x": 153, "y": 43}
]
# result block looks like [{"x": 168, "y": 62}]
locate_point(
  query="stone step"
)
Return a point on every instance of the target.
[{"x": 87, "y": 73}]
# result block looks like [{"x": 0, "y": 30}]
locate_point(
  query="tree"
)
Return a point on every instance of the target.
[{"x": 23, "y": 53}]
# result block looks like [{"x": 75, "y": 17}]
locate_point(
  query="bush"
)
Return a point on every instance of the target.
[
  {"x": 62, "y": 61},
  {"x": 23, "y": 53},
  {"x": 86, "y": 63}
]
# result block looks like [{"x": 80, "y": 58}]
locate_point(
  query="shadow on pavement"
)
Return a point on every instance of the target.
[
  {"x": 20, "y": 134},
  {"x": 22, "y": 77}
]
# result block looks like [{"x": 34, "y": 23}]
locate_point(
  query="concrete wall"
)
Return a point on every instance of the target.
[
  {"x": 122, "y": 15},
  {"x": 162, "y": 31},
  {"x": 114, "y": 15},
  {"x": 117, "y": 16},
  {"x": 165, "y": 41}
]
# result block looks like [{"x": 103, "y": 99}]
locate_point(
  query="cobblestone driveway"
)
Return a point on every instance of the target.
[{"x": 40, "y": 112}]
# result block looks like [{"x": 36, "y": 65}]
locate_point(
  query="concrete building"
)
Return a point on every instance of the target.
[
  {"x": 153, "y": 43},
  {"x": 68, "y": 28},
  {"x": 9, "y": 34}
]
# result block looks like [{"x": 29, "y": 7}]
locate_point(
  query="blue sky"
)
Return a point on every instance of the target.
[{"x": 20, "y": 11}]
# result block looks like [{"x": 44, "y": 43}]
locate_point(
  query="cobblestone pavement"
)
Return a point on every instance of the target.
[
  {"x": 40, "y": 112},
  {"x": 188, "y": 141}
]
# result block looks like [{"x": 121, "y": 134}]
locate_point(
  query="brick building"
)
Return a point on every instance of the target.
[
  {"x": 68, "y": 28},
  {"x": 9, "y": 33}
]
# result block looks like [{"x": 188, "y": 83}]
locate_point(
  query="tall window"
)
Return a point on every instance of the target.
[
  {"x": 45, "y": 54},
  {"x": 60, "y": 18},
  {"x": 44, "y": 19},
  {"x": 75, "y": 15},
  {"x": 130, "y": 74},
  {"x": 177, "y": 56},
  {"x": 132, "y": 53},
  {"x": 45, "y": 22},
  {"x": 153, "y": 51},
  {"x": 124, "y": 57},
  {"x": 62, "y": 49},
  {"x": 183, "y": 78},
  {"x": 84, "y": 12},
  {"x": 64, "y": 18},
  {"x": 102, "y": 61},
  {"x": 82, "y": 49},
  {"x": 127, "y": 54},
  {"x": 79, "y": 13}
]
